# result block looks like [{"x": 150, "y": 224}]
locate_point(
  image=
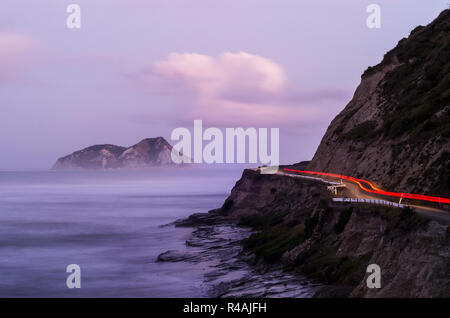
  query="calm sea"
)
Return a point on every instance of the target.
[
  {"x": 112, "y": 224},
  {"x": 107, "y": 222}
]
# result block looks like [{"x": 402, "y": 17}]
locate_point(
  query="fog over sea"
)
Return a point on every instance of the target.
[{"x": 110, "y": 224}]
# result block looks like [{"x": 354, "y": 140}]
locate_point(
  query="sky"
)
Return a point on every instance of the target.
[{"x": 141, "y": 68}]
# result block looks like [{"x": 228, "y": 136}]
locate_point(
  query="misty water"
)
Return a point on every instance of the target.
[{"x": 110, "y": 223}]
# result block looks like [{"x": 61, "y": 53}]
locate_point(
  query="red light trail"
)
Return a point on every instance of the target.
[{"x": 374, "y": 189}]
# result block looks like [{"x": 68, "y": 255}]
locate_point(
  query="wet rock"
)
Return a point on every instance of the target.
[
  {"x": 229, "y": 271},
  {"x": 175, "y": 256},
  {"x": 199, "y": 219}
]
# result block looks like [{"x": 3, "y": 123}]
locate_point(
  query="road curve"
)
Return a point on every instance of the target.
[{"x": 374, "y": 189}]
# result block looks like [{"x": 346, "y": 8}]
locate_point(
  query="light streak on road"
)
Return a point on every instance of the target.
[{"x": 374, "y": 189}]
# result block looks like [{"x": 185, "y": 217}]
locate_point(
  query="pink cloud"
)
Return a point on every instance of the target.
[
  {"x": 226, "y": 73},
  {"x": 234, "y": 89},
  {"x": 223, "y": 87}
]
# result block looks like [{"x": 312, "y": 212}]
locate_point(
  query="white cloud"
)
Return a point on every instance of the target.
[
  {"x": 235, "y": 89},
  {"x": 226, "y": 73},
  {"x": 231, "y": 88}
]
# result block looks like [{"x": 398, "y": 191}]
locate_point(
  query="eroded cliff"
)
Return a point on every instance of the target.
[
  {"x": 396, "y": 129},
  {"x": 298, "y": 225}
]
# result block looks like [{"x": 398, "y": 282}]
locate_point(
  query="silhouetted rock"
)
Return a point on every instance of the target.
[{"x": 149, "y": 152}]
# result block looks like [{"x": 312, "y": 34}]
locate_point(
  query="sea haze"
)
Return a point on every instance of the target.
[{"x": 110, "y": 223}]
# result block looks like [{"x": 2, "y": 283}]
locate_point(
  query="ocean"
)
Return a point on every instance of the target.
[{"x": 110, "y": 223}]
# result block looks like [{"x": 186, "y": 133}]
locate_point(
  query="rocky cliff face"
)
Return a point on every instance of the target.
[
  {"x": 396, "y": 129},
  {"x": 147, "y": 153},
  {"x": 395, "y": 132},
  {"x": 94, "y": 157},
  {"x": 298, "y": 225}
]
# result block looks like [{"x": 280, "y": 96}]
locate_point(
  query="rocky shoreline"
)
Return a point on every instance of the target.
[
  {"x": 216, "y": 243},
  {"x": 276, "y": 226},
  {"x": 395, "y": 131}
]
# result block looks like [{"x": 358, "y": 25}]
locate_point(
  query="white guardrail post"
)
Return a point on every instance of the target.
[{"x": 370, "y": 201}]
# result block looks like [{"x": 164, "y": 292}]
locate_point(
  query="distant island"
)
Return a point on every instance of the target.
[{"x": 147, "y": 153}]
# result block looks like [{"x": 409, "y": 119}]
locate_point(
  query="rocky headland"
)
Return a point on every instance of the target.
[
  {"x": 396, "y": 129},
  {"x": 294, "y": 223},
  {"x": 395, "y": 132}
]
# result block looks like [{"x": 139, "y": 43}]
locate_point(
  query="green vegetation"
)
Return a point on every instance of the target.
[
  {"x": 274, "y": 237},
  {"x": 362, "y": 132},
  {"x": 402, "y": 219},
  {"x": 281, "y": 231},
  {"x": 320, "y": 262},
  {"x": 272, "y": 243},
  {"x": 351, "y": 265},
  {"x": 310, "y": 225},
  {"x": 261, "y": 221},
  {"x": 344, "y": 217},
  {"x": 344, "y": 120},
  {"x": 440, "y": 171},
  {"x": 419, "y": 87}
]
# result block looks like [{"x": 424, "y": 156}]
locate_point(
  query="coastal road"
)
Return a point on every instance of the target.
[{"x": 363, "y": 189}]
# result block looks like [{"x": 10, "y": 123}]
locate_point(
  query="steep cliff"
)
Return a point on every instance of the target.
[
  {"x": 298, "y": 225},
  {"x": 147, "y": 153},
  {"x": 396, "y": 129}
]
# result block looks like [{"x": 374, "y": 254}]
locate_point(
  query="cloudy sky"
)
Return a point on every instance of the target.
[{"x": 140, "y": 68}]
